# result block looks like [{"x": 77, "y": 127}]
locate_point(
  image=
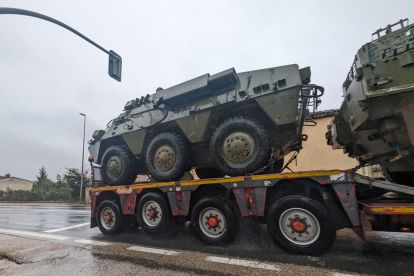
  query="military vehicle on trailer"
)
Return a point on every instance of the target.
[
  {"x": 219, "y": 124},
  {"x": 375, "y": 121}
]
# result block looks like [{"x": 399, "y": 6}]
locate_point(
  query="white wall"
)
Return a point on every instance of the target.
[{"x": 15, "y": 184}]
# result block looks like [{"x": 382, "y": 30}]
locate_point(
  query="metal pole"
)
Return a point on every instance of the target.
[
  {"x": 83, "y": 157},
  {"x": 52, "y": 20}
]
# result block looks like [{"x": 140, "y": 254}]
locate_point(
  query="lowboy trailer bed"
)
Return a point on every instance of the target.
[{"x": 302, "y": 210}]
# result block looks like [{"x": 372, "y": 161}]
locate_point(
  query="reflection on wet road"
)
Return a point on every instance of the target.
[{"x": 383, "y": 253}]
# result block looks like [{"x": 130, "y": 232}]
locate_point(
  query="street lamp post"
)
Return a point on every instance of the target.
[
  {"x": 115, "y": 61},
  {"x": 83, "y": 157}
]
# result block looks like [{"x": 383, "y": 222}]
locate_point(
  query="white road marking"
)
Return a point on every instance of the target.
[
  {"x": 56, "y": 210},
  {"x": 32, "y": 234},
  {"x": 343, "y": 274},
  {"x": 93, "y": 242},
  {"x": 153, "y": 250},
  {"x": 66, "y": 228},
  {"x": 242, "y": 263}
]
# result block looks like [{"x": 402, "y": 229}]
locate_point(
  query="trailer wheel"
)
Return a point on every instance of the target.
[
  {"x": 168, "y": 157},
  {"x": 301, "y": 225},
  {"x": 214, "y": 221},
  {"x": 153, "y": 213},
  {"x": 240, "y": 146},
  {"x": 109, "y": 218},
  {"x": 119, "y": 166}
]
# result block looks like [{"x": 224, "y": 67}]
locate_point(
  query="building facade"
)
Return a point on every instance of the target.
[
  {"x": 15, "y": 183},
  {"x": 316, "y": 154}
]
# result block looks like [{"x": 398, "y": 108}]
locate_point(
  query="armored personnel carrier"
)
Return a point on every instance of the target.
[
  {"x": 224, "y": 124},
  {"x": 375, "y": 121}
]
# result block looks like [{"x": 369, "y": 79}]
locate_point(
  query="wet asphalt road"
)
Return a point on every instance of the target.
[{"x": 382, "y": 254}]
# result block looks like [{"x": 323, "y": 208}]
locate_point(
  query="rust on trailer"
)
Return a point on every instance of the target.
[
  {"x": 296, "y": 175},
  {"x": 179, "y": 202},
  {"x": 388, "y": 208},
  {"x": 128, "y": 202},
  {"x": 366, "y": 225},
  {"x": 250, "y": 192},
  {"x": 221, "y": 180},
  {"x": 346, "y": 195}
]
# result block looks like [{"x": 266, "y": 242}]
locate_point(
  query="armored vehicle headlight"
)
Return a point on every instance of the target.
[{"x": 97, "y": 134}]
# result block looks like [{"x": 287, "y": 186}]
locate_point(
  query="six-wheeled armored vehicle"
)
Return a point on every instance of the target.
[
  {"x": 218, "y": 124},
  {"x": 375, "y": 122}
]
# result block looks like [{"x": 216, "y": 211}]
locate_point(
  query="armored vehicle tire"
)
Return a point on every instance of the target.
[
  {"x": 301, "y": 225},
  {"x": 214, "y": 221},
  {"x": 153, "y": 213},
  {"x": 168, "y": 157},
  {"x": 119, "y": 166},
  {"x": 240, "y": 146},
  {"x": 276, "y": 168},
  {"x": 109, "y": 218},
  {"x": 203, "y": 173}
]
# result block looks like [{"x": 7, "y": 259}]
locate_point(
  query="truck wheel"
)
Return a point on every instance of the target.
[
  {"x": 203, "y": 173},
  {"x": 119, "y": 166},
  {"x": 153, "y": 213},
  {"x": 109, "y": 218},
  {"x": 168, "y": 157},
  {"x": 240, "y": 146},
  {"x": 276, "y": 168},
  {"x": 214, "y": 221},
  {"x": 301, "y": 225}
]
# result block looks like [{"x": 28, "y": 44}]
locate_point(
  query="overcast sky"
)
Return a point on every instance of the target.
[{"x": 48, "y": 75}]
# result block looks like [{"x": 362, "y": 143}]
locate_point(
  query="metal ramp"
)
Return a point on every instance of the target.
[{"x": 392, "y": 187}]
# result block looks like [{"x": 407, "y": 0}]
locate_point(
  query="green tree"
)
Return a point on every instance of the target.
[
  {"x": 72, "y": 177},
  {"x": 47, "y": 190},
  {"x": 42, "y": 175}
]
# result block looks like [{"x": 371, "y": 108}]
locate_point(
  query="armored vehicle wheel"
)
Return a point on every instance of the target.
[
  {"x": 119, "y": 166},
  {"x": 168, "y": 157},
  {"x": 214, "y": 221},
  {"x": 301, "y": 225},
  {"x": 276, "y": 168},
  {"x": 109, "y": 218},
  {"x": 240, "y": 146},
  {"x": 153, "y": 214},
  {"x": 203, "y": 173}
]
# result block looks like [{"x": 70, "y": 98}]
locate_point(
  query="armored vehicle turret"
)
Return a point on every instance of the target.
[
  {"x": 223, "y": 124},
  {"x": 375, "y": 121}
]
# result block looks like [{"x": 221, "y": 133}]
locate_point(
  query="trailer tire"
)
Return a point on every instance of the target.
[
  {"x": 301, "y": 225},
  {"x": 153, "y": 214},
  {"x": 214, "y": 221},
  {"x": 109, "y": 218}
]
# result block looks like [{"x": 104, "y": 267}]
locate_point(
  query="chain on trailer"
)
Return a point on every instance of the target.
[{"x": 302, "y": 137}]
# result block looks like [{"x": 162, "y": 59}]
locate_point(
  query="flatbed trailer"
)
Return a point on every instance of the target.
[{"x": 302, "y": 210}]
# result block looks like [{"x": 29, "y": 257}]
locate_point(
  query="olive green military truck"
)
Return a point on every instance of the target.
[
  {"x": 375, "y": 121},
  {"x": 224, "y": 124}
]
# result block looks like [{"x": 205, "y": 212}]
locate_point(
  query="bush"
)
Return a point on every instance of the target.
[
  {"x": 66, "y": 188},
  {"x": 46, "y": 190}
]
